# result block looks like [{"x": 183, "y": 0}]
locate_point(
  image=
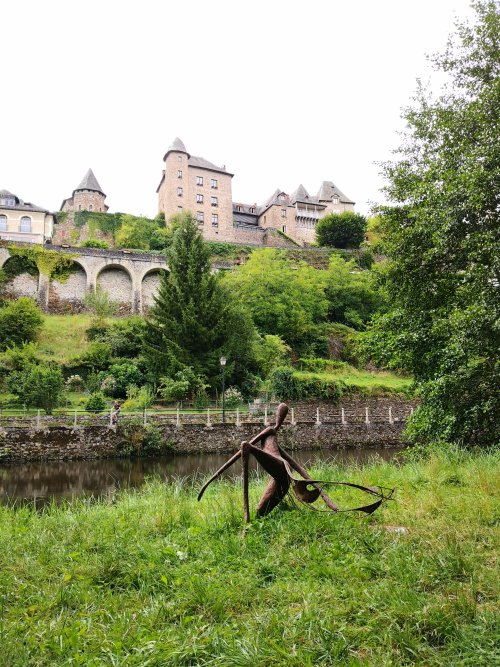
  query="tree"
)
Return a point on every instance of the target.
[
  {"x": 99, "y": 303},
  {"x": 353, "y": 295},
  {"x": 285, "y": 299},
  {"x": 341, "y": 230},
  {"x": 442, "y": 232},
  {"x": 20, "y": 322},
  {"x": 195, "y": 320},
  {"x": 38, "y": 385}
]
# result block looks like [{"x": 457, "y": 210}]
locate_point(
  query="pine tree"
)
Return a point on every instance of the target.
[{"x": 194, "y": 321}]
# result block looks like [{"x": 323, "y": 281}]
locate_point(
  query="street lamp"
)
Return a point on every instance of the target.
[{"x": 223, "y": 365}]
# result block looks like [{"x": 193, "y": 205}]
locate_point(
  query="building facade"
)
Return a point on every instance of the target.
[
  {"x": 22, "y": 221},
  {"x": 194, "y": 184},
  {"x": 191, "y": 183},
  {"x": 88, "y": 196}
]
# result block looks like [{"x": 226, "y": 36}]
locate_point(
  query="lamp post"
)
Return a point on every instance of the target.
[{"x": 223, "y": 366}]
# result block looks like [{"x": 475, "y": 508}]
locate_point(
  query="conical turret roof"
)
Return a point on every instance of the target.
[
  {"x": 176, "y": 145},
  {"x": 89, "y": 182}
]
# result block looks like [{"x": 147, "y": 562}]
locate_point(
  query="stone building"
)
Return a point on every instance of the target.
[
  {"x": 191, "y": 183},
  {"x": 24, "y": 221},
  {"x": 194, "y": 184},
  {"x": 88, "y": 196}
]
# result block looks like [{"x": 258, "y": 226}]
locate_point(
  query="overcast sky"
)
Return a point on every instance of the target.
[{"x": 281, "y": 92}]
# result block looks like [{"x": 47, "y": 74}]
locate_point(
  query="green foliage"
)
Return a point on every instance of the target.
[
  {"x": 96, "y": 402},
  {"x": 195, "y": 320},
  {"x": 38, "y": 385},
  {"x": 233, "y": 397},
  {"x": 99, "y": 303},
  {"x": 122, "y": 375},
  {"x": 285, "y": 298},
  {"x": 139, "y": 398},
  {"x": 20, "y": 322},
  {"x": 287, "y": 384},
  {"x": 271, "y": 351},
  {"x": 341, "y": 230},
  {"x": 125, "y": 337},
  {"x": 442, "y": 234},
  {"x": 227, "y": 250},
  {"x": 53, "y": 264},
  {"x": 95, "y": 243},
  {"x": 185, "y": 384},
  {"x": 137, "y": 232},
  {"x": 97, "y": 357},
  {"x": 353, "y": 295}
]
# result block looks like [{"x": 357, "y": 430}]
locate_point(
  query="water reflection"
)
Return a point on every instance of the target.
[{"x": 68, "y": 479}]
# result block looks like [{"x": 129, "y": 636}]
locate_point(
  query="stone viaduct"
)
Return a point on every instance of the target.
[{"x": 130, "y": 279}]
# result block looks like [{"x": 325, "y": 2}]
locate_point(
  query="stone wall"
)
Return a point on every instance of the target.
[{"x": 93, "y": 442}]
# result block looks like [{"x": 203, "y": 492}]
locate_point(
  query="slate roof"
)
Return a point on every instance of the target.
[
  {"x": 329, "y": 190},
  {"x": 89, "y": 182},
  {"x": 177, "y": 145},
  {"x": 21, "y": 205},
  {"x": 201, "y": 163}
]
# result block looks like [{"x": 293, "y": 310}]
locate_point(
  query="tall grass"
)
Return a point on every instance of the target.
[
  {"x": 152, "y": 577},
  {"x": 63, "y": 336}
]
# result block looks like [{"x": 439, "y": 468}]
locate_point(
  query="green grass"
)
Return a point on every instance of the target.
[
  {"x": 63, "y": 336},
  {"x": 152, "y": 577},
  {"x": 364, "y": 382}
]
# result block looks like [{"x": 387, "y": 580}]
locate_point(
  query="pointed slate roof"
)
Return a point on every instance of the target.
[
  {"x": 301, "y": 195},
  {"x": 328, "y": 191},
  {"x": 176, "y": 145},
  {"x": 89, "y": 182}
]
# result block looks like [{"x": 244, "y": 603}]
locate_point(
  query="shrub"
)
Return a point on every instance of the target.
[
  {"x": 38, "y": 385},
  {"x": 341, "y": 230},
  {"x": 282, "y": 383},
  {"x": 95, "y": 243},
  {"x": 97, "y": 357},
  {"x": 124, "y": 375},
  {"x": 74, "y": 383},
  {"x": 233, "y": 397},
  {"x": 138, "y": 398},
  {"x": 96, "y": 402},
  {"x": 20, "y": 322}
]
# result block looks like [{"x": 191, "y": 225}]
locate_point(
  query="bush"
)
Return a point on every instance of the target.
[
  {"x": 123, "y": 375},
  {"x": 95, "y": 243},
  {"x": 38, "y": 385},
  {"x": 96, "y": 402},
  {"x": 124, "y": 337},
  {"x": 74, "y": 383},
  {"x": 20, "y": 322},
  {"x": 233, "y": 397},
  {"x": 365, "y": 259},
  {"x": 286, "y": 384},
  {"x": 341, "y": 230},
  {"x": 97, "y": 357},
  {"x": 282, "y": 383}
]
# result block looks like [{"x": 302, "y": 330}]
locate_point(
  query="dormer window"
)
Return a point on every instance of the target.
[
  {"x": 238, "y": 208},
  {"x": 282, "y": 197},
  {"x": 252, "y": 210},
  {"x": 7, "y": 201},
  {"x": 335, "y": 200}
]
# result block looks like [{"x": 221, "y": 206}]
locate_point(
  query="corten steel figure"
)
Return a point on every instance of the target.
[{"x": 280, "y": 465}]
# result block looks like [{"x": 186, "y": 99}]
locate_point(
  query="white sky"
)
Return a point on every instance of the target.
[{"x": 280, "y": 92}]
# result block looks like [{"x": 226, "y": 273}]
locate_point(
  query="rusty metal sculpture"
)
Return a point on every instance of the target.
[{"x": 282, "y": 468}]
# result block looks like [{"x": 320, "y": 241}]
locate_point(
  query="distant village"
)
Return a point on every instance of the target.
[{"x": 188, "y": 183}]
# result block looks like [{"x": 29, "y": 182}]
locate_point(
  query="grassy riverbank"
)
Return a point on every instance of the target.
[{"x": 155, "y": 578}]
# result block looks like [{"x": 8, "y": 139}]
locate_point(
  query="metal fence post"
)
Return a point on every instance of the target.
[
  {"x": 318, "y": 423},
  {"x": 343, "y": 417},
  {"x": 367, "y": 418}
]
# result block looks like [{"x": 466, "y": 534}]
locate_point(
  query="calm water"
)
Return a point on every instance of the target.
[{"x": 68, "y": 479}]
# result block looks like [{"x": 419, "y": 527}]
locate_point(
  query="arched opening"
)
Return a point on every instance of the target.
[
  {"x": 150, "y": 286},
  {"x": 67, "y": 292},
  {"x": 116, "y": 281},
  {"x": 21, "y": 276}
]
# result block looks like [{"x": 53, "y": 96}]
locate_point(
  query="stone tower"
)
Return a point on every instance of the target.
[
  {"x": 88, "y": 196},
  {"x": 191, "y": 183}
]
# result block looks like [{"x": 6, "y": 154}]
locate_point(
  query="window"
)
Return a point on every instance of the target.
[
  {"x": 3, "y": 223},
  {"x": 282, "y": 197},
  {"x": 199, "y": 180},
  {"x": 179, "y": 209},
  {"x": 252, "y": 210},
  {"x": 180, "y": 192},
  {"x": 179, "y": 158},
  {"x": 25, "y": 225},
  {"x": 335, "y": 200},
  {"x": 214, "y": 201},
  {"x": 213, "y": 183},
  {"x": 199, "y": 216},
  {"x": 90, "y": 207},
  {"x": 7, "y": 201},
  {"x": 179, "y": 173},
  {"x": 199, "y": 199},
  {"x": 215, "y": 220},
  {"x": 283, "y": 212},
  {"x": 238, "y": 208},
  {"x": 283, "y": 229}
]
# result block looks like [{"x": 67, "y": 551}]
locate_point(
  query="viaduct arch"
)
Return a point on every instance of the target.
[{"x": 142, "y": 271}]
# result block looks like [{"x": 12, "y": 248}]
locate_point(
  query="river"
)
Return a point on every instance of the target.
[{"x": 62, "y": 480}]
